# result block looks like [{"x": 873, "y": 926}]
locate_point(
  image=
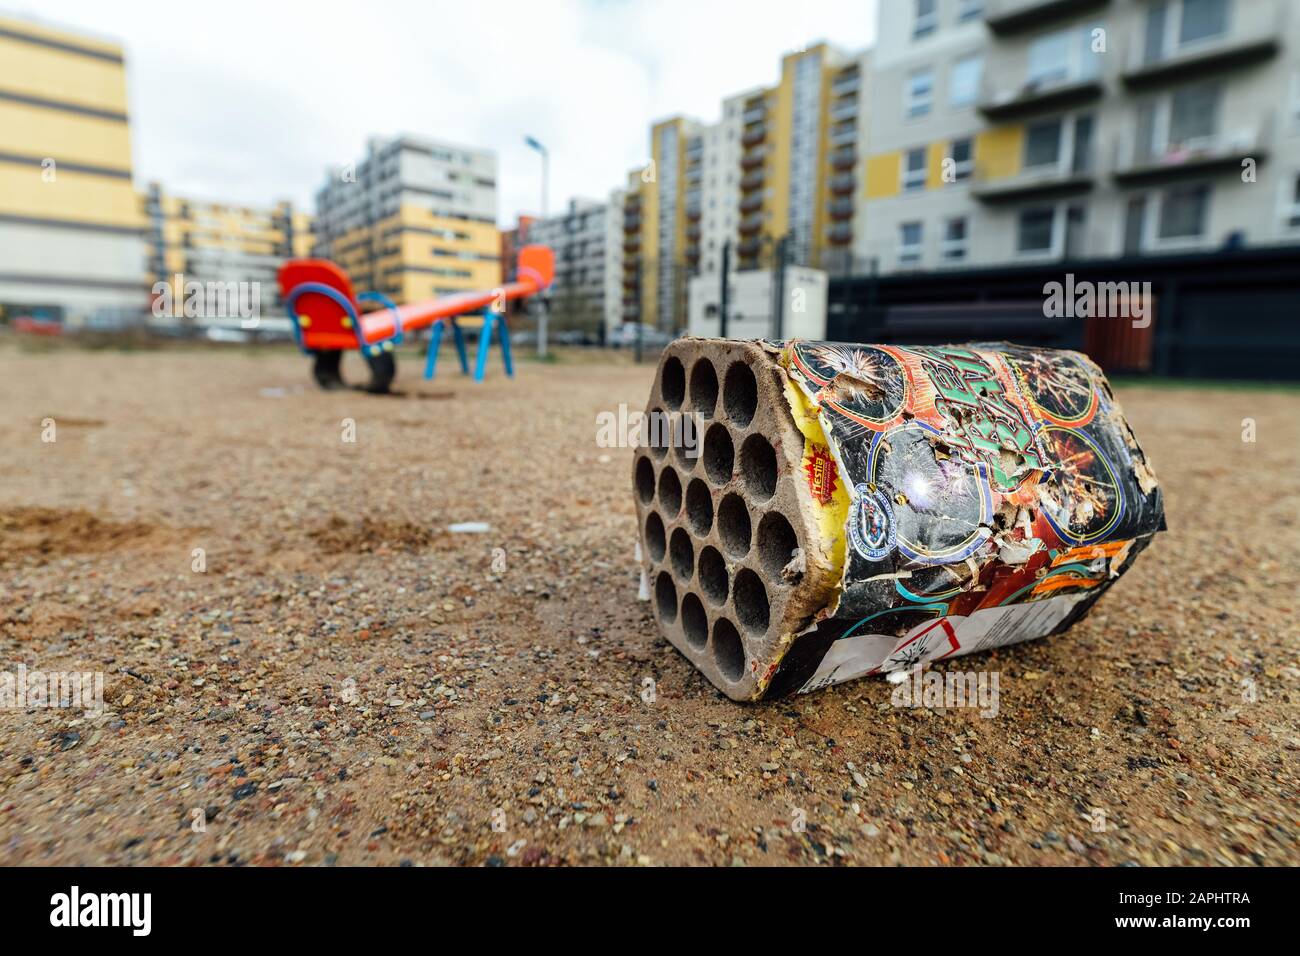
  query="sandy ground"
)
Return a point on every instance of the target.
[{"x": 348, "y": 682}]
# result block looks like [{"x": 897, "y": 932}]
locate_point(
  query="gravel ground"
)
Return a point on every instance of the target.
[{"x": 349, "y": 682}]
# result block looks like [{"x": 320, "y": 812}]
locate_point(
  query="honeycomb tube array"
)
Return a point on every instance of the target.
[{"x": 737, "y": 569}]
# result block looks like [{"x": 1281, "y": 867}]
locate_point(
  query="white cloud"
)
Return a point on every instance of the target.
[{"x": 252, "y": 101}]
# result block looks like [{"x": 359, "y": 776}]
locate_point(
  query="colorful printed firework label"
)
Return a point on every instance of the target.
[{"x": 995, "y": 492}]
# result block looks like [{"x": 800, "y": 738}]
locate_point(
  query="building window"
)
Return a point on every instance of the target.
[
  {"x": 964, "y": 81},
  {"x": 1043, "y": 143},
  {"x": 909, "y": 244},
  {"x": 969, "y": 9},
  {"x": 914, "y": 170},
  {"x": 1193, "y": 115},
  {"x": 1173, "y": 24},
  {"x": 1049, "y": 58},
  {"x": 920, "y": 93},
  {"x": 927, "y": 18},
  {"x": 1065, "y": 56},
  {"x": 1034, "y": 230},
  {"x": 1202, "y": 19},
  {"x": 956, "y": 236},
  {"x": 962, "y": 154},
  {"x": 1182, "y": 212}
]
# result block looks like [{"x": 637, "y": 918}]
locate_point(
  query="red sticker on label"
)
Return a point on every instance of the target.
[{"x": 821, "y": 473}]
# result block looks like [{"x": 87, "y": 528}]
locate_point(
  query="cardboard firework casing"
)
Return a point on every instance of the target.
[{"x": 811, "y": 512}]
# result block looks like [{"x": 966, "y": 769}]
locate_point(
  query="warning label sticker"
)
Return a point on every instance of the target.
[{"x": 863, "y": 653}]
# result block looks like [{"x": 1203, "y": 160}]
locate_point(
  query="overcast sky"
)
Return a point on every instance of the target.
[{"x": 252, "y": 101}]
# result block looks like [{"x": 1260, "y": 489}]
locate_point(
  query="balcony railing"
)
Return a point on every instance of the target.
[
  {"x": 1070, "y": 176},
  {"x": 1253, "y": 33},
  {"x": 846, "y": 83},
  {"x": 751, "y": 202},
  {"x": 844, "y": 135},
  {"x": 1221, "y": 152},
  {"x": 1005, "y": 17},
  {"x": 751, "y": 224},
  {"x": 754, "y": 114},
  {"x": 753, "y": 157},
  {"x": 840, "y": 208},
  {"x": 844, "y": 111},
  {"x": 840, "y": 233},
  {"x": 754, "y": 134},
  {"x": 844, "y": 157},
  {"x": 752, "y": 180},
  {"x": 1004, "y": 103},
  {"x": 842, "y": 183}
]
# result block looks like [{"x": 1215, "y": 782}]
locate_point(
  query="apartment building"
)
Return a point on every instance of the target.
[
  {"x": 587, "y": 239},
  {"x": 414, "y": 218},
  {"x": 777, "y": 170},
  {"x": 213, "y": 242},
  {"x": 1038, "y": 130},
  {"x": 72, "y": 242},
  {"x": 633, "y": 258}
]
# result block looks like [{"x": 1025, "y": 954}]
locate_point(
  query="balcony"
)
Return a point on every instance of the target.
[
  {"x": 632, "y": 223},
  {"x": 1036, "y": 97},
  {"x": 1252, "y": 37},
  {"x": 1052, "y": 181},
  {"x": 840, "y": 208},
  {"x": 847, "y": 110},
  {"x": 748, "y": 248},
  {"x": 844, "y": 135},
  {"x": 754, "y": 114},
  {"x": 752, "y": 180},
  {"x": 1007, "y": 17},
  {"x": 631, "y": 244},
  {"x": 754, "y": 134},
  {"x": 840, "y": 233},
  {"x": 693, "y": 231},
  {"x": 841, "y": 183},
  {"x": 1221, "y": 153},
  {"x": 751, "y": 202},
  {"x": 844, "y": 157},
  {"x": 692, "y": 212},
  {"x": 846, "y": 83},
  {"x": 751, "y": 224},
  {"x": 752, "y": 158}
]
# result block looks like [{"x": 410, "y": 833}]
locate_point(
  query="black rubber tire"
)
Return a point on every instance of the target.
[
  {"x": 326, "y": 370},
  {"x": 383, "y": 369}
]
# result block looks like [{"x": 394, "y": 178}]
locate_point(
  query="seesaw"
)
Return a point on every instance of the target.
[{"x": 328, "y": 321}]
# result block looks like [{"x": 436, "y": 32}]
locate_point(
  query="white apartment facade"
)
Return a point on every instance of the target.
[
  {"x": 587, "y": 241},
  {"x": 1007, "y": 131}
]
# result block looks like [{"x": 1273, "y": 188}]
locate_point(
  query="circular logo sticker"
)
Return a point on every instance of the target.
[{"x": 871, "y": 523}]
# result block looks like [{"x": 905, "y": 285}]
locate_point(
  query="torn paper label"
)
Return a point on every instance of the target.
[{"x": 865, "y": 653}]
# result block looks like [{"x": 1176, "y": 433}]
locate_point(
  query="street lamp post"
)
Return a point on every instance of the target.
[{"x": 542, "y": 307}]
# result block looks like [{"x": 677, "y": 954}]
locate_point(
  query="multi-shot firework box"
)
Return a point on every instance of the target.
[{"x": 811, "y": 512}]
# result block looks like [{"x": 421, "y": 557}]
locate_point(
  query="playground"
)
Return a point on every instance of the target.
[{"x": 304, "y": 664}]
